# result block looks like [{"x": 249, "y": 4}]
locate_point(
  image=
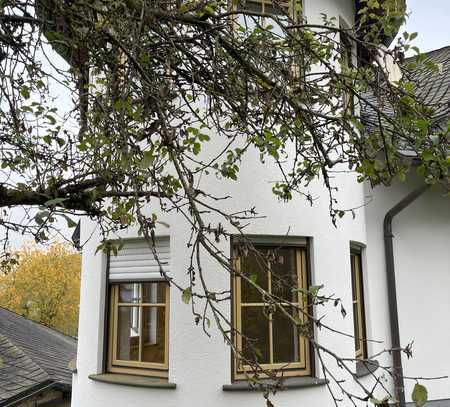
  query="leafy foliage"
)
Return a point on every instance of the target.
[
  {"x": 173, "y": 98},
  {"x": 44, "y": 286}
]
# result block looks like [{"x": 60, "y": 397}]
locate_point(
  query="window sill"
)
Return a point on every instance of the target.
[
  {"x": 288, "y": 383},
  {"x": 132, "y": 380},
  {"x": 365, "y": 368}
]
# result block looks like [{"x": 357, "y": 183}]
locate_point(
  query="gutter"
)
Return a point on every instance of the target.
[
  {"x": 399, "y": 385},
  {"x": 28, "y": 394}
]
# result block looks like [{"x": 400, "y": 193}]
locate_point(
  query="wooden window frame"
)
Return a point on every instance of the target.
[
  {"x": 288, "y": 6},
  {"x": 303, "y": 368},
  {"x": 116, "y": 365},
  {"x": 358, "y": 303}
]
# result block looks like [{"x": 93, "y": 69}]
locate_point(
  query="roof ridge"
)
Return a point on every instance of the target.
[
  {"x": 428, "y": 53},
  {"x": 40, "y": 324},
  {"x": 22, "y": 353},
  {"x": 437, "y": 49}
]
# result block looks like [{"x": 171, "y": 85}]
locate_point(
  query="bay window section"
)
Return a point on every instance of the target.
[{"x": 266, "y": 335}]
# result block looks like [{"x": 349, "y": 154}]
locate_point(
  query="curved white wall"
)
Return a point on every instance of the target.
[{"x": 200, "y": 365}]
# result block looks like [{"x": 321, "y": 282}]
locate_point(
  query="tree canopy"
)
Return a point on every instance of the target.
[
  {"x": 167, "y": 76},
  {"x": 154, "y": 83},
  {"x": 44, "y": 285}
]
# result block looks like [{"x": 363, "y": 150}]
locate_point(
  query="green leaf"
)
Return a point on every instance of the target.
[
  {"x": 419, "y": 395},
  {"x": 427, "y": 155},
  {"x": 25, "y": 92},
  {"x": 41, "y": 217},
  {"x": 187, "y": 295},
  {"x": 55, "y": 201},
  {"x": 147, "y": 159},
  {"x": 196, "y": 148},
  {"x": 314, "y": 289},
  {"x": 50, "y": 118},
  {"x": 70, "y": 222},
  {"x": 412, "y": 36}
]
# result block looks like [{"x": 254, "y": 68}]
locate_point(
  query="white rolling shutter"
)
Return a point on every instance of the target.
[{"x": 136, "y": 261}]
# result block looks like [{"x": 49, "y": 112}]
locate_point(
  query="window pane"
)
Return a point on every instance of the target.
[
  {"x": 356, "y": 325},
  {"x": 129, "y": 293},
  {"x": 279, "y": 9},
  {"x": 250, "y": 6},
  {"x": 154, "y": 334},
  {"x": 154, "y": 293},
  {"x": 254, "y": 265},
  {"x": 128, "y": 333},
  {"x": 353, "y": 269},
  {"x": 284, "y": 274},
  {"x": 255, "y": 331},
  {"x": 285, "y": 339},
  {"x": 353, "y": 260}
]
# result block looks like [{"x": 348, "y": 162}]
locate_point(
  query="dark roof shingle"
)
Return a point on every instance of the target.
[
  {"x": 32, "y": 354},
  {"x": 432, "y": 88}
]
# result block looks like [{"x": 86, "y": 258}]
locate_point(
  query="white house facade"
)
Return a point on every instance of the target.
[{"x": 163, "y": 358}]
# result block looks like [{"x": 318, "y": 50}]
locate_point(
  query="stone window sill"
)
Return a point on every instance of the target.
[
  {"x": 132, "y": 380},
  {"x": 288, "y": 383},
  {"x": 365, "y": 368}
]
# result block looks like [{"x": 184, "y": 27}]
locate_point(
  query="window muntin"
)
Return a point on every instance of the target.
[
  {"x": 277, "y": 8},
  {"x": 281, "y": 271},
  {"x": 138, "y": 331},
  {"x": 359, "y": 319},
  {"x": 282, "y": 10}
]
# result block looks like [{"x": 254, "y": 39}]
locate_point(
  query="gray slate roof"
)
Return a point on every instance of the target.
[
  {"x": 32, "y": 355},
  {"x": 432, "y": 88}
]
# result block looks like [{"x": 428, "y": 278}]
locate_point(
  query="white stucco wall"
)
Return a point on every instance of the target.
[
  {"x": 200, "y": 365},
  {"x": 422, "y": 262}
]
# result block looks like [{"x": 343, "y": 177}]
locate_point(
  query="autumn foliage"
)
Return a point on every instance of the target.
[{"x": 44, "y": 286}]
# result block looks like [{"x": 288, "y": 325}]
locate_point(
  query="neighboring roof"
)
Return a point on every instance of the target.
[
  {"x": 32, "y": 356},
  {"x": 432, "y": 89}
]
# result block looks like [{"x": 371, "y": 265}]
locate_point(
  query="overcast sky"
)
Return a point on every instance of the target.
[{"x": 431, "y": 19}]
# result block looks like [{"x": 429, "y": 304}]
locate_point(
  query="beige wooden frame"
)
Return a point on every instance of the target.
[
  {"x": 358, "y": 300},
  {"x": 288, "y": 6},
  {"x": 302, "y": 368},
  {"x": 116, "y": 365}
]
